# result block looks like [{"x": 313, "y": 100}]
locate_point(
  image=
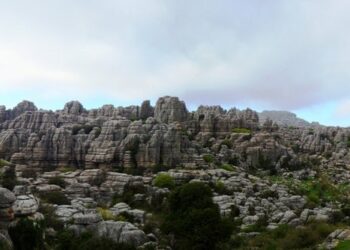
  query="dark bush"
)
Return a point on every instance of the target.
[
  {"x": 164, "y": 181},
  {"x": 221, "y": 189},
  {"x": 51, "y": 219},
  {"x": 227, "y": 143},
  {"x": 9, "y": 179},
  {"x": 269, "y": 193},
  {"x": 235, "y": 212},
  {"x": 159, "y": 168},
  {"x": 55, "y": 197},
  {"x": 57, "y": 180},
  {"x": 194, "y": 219},
  {"x": 29, "y": 173},
  {"x": 208, "y": 158},
  {"x": 27, "y": 235},
  {"x": 233, "y": 160}
]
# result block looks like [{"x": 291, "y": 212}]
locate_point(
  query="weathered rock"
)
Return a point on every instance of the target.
[
  {"x": 73, "y": 108},
  {"x": 87, "y": 219},
  {"x": 120, "y": 208},
  {"x": 7, "y": 198},
  {"x": 25, "y": 205},
  {"x": 65, "y": 213},
  {"x": 146, "y": 110},
  {"x": 170, "y": 109},
  {"x": 121, "y": 232}
]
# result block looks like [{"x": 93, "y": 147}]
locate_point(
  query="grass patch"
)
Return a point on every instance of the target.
[
  {"x": 4, "y": 163},
  {"x": 287, "y": 237},
  {"x": 343, "y": 245},
  {"x": 320, "y": 190},
  {"x": 228, "y": 167},
  {"x": 67, "y": 169},
  {"x": 106, "y": 214},
  {"x": 317, "y": 190},
  {"x": 241, "y": 130}
]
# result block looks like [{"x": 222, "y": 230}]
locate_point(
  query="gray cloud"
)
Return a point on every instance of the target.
[{"x": 280, "y": 54}]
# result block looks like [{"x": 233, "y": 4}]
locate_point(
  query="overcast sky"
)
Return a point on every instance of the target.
[{"x": 272, "y": 54}]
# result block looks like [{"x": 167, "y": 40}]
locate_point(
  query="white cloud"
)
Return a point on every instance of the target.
[{"x": 343, "y": 110}]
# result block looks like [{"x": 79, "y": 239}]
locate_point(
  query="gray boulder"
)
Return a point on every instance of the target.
[{"x": 121, "y": 232}]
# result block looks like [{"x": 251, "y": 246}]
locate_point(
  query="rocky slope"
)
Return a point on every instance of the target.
[{"x": 102, "y": 165}]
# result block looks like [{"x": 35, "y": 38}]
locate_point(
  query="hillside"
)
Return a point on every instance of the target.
[{"x": 122, "y": 175}]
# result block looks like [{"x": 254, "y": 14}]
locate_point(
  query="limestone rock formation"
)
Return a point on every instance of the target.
[
  {"x": 113, "y": 137},
  {"x": 121, "y": 232},
  {"x": 170, "y": 109}
]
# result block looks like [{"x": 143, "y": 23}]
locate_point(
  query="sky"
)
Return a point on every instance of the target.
[{"x": 266, "y": 55}]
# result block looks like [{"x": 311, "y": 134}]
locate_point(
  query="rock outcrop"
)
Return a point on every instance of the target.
[{"x": 113, "y": 137}]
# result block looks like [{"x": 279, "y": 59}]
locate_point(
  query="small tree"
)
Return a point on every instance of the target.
[
  {"x": 194, "y": 220},
  {"x": 164, "y": 181},
  {"x": 27, "y": 235},
  {"x": 9, "y": 179}
]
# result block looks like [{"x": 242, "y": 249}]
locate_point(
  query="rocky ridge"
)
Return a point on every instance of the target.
[{"x": 102, "y": 163}]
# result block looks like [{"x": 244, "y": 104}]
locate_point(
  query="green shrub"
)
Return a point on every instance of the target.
[
  {"x": 128, "y": 195},
  {"x": 319, "y": 190},
  {"x": 5, "y": 246},
  {"x": 221, "y": 189},
  {"x": 8, "y": 178},
  {"x": 55, "y": 197},
  {"x": 235, "y": 212},
  {"x": 227, "y": 142},
  {"x": 233, "y": 160},
  {"x": 241, "y": 130},
  {"x": 287, "y": 237},
  {"x": 227, "y": 167},
  {"x": 106, "y": 214},
  {"x": 4, "y": 163},
  {"x": 57, "y": 180},
  {"x": 259, "y": 226},
  {"x": 67, "y": 169},
  {"x": 343, "y": 245},
  {"x": 164, "y": 181},
  {"x": 208, "y": 158},
  {"x": 27, "y": 235},
  {"x": 51, "y": 219},
  {"x": 265, "y": 163},
  {"x": 194, "y": 219},
  {"x": 346, "y": 210},
  {"x": 269, "y": 193}
]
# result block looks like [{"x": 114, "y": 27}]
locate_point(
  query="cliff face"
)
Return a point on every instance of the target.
[{"x": 139, "y": 136}]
